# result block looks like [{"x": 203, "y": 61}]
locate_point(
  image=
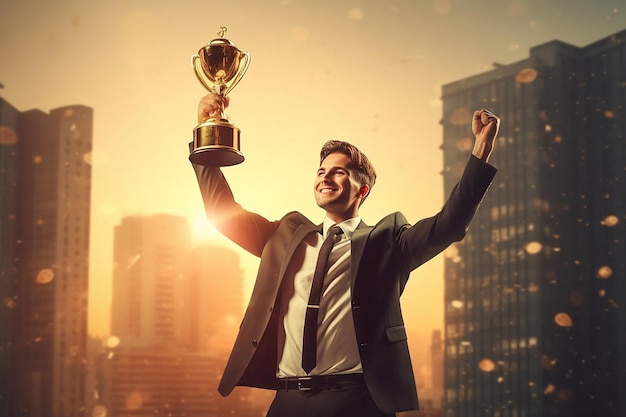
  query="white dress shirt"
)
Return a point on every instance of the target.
[{"x": 337, "y": 351}]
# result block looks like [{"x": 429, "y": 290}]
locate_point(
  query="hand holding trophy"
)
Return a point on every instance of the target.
[{"x": 219, "y": 66}]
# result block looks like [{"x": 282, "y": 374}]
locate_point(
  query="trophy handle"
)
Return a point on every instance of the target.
[
  {"x": 197, "y": 66},
  {"x": 245, "y": 61}
]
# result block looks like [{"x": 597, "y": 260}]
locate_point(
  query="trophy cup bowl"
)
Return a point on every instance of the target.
[{"x": 219, "y": 66}]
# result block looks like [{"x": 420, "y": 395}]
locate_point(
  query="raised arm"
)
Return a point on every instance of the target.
[
  {"x": 247, "y": 229},
  {"x": 430, "y": 236}
]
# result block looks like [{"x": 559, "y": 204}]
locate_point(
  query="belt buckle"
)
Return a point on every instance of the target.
[{"x": 301, "y": 383}]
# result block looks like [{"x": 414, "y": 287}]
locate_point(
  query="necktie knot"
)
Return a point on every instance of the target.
[{"x": 333, "y": 232}]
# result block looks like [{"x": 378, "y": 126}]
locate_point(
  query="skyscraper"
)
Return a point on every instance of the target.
[
  {"x": 46, "y": 192},
  {"x": 535, "y": 294},
  {"x": 175, "y": 311},
  {"x": 150, "y": 255},
  {"x": 8, "y": 143}
]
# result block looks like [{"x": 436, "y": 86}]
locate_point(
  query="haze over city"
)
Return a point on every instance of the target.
[{"x": 369, "y": 72}]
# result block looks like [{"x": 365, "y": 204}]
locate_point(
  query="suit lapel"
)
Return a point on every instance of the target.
[
  {"x": 359, "y": 239},
  {"x": 298, "y": 235}
]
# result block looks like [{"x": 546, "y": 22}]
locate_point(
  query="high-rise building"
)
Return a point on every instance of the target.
[
  {"x": 435, "y": 367},
  {"x": 175, "y": 312},
  {"x": 150, "y": 256},
  {"x": 535, "y": 294},
  {"x": 8, "y": 143},
  {"x": 46, "y": 193}
]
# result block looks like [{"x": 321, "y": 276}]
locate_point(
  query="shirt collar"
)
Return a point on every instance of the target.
[{"x": 348, "y": 226}]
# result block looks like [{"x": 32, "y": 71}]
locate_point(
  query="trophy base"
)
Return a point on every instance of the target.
[{"x": 216, "y": 143}]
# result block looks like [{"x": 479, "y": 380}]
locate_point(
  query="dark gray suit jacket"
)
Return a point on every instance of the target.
[{"x": 382, "y": 258}]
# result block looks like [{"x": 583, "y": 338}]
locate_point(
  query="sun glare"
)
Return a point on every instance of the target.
[{"x": 201, "y": 229}]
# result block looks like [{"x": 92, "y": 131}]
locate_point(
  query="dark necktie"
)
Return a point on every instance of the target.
[{"x": 309, "y": 340}]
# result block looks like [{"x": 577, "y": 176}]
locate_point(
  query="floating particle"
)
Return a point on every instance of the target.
[
  {"x": 533, "y": 288},
  {"x": 563, "y": 320},
  {"x": 564, "y": 395},
  {"x": 486, "y": 365},
  {"x": 465, "y": 144},
  {"x": 356, "y": 13},
  {"x": 45, "y": 276},
  {"x": 558, "y": 139},
  {"x": 457, "y": 303},
  {"x": 576, "y": 298},
  {"x": 533, "y": 248},
  {"x": 99, "y": 411},
  {"x": 113, "y": 341},
  {"x": 10, "y": 302},
  {"x": 549, "y": 389},
  {"x": 605, "y": 272},
  {"x": 37, "y": 159},
  {"x": 609, "y": 114},
  {"x": 460, "y": 116},
  {"x": 526, "y": 76},
  {"x": 7, "y": 136},
  {"x": 610, "y": 221},
  {"x": 134, "y": 400}
]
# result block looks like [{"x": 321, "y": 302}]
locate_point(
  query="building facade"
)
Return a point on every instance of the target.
[
  {"x": 46, "y": 191},
  {"x": 535, "y": 293},
  {"x": 175, "y": 313}
]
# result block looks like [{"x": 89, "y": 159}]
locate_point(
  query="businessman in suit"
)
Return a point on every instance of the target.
[{"x": 346, "y": 353}]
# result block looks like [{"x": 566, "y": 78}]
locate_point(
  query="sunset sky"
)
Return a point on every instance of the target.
[{"x": 366, "y": 71}]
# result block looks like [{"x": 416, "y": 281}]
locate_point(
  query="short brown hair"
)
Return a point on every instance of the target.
[{"x": 365, "y": 173}]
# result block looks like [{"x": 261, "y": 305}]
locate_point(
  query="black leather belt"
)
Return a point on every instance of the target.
[{"x": 321, "y": 382}]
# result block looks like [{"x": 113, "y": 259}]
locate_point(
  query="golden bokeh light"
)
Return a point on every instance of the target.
[
  {"x": 134, "y": 400},
  {"x": 460, "y": 117},
  {"x": 486, "y": 365},
  {"x": 99, "y": 411},
  {"x": 576, "y": 298},
  {"x": 605, "y": 272},
  {"x": 7, "y": 136},
  {"x": 526, "y": 76},
  {"x": 10, "y": 302},
  {"x": 563, "y": 320},
  {"x": 45, "y": 276},
  {"x": 610, "y": 221},
  {"x": 465, "y": 144},
  {"x": 113, "y": 342},
  {"x": 533, "y": 248}
]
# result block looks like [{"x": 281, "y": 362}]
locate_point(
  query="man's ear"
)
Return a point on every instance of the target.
[{"x": 364, "y": 191}]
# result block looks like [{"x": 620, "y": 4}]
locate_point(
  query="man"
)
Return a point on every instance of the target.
[{"x": 345, "y": 354}]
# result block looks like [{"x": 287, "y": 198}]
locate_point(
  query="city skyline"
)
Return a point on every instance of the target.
[
  {"x": 141, "y": 127},
  {"x": 145, "y": 104}
]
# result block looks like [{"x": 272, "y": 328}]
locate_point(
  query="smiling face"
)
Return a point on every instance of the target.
[{"x": 336, "y": 189}]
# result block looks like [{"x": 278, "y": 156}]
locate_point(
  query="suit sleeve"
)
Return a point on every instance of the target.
[
  {"x": 247, "y": 229},
  {"x": 430, "y": 236}
]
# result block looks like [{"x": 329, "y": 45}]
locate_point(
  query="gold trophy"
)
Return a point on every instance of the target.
[{"x": 219, "y": 66}]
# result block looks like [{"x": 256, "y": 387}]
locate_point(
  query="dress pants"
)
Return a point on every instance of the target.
[{"x": 341, "y": 402}]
